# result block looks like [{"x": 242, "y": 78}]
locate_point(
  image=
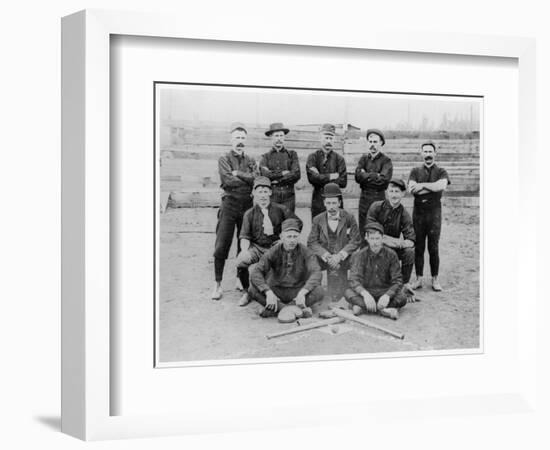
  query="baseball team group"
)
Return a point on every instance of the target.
[{"x": 368, "y": 261}]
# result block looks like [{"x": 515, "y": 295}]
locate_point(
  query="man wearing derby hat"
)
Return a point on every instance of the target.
[
  {"x": 333, "y": 238},
  {"x": 260, "y": 231},
  {"x": 325, "y": 166},
  {"x": 287, "y": 273},
  {"x": 375, "y": 283},
  {"x": 373, "y": 173},
  {"x": 427, "y": 183},
  {"x": 237, "y": 172},
  {"x": 398, "y": 227},
  {"x": 281, "y": 166}
]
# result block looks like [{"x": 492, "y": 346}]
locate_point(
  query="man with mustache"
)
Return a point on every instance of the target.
[
  {"x": 333, "y": 238},
  {"x": 325, "y": 166},
  {"x": 398, "y": 226},
  {"x": 281, "y": 166},
  {"x": 260, "y": 231},
  {"x": 287, "y": 273},
  {"x": 373, "y": 173},
  {"x": 237, "y": 172},
  {"x": 375, "y": 283},
  {"x": 427, "y": 183}
]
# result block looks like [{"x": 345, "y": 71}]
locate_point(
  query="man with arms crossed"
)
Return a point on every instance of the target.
[
  {"x": 427, "y": 183},
  {"x": 398, "y": 227},
  {"x": 281, "y": 166},
  {"x": 237, "y": 172},
  {"x": 325, "y": 166},
  {"x": 375, "y": 277},
  {"x": 333, "y": 238},
  {"x": 287, "y": 272},
  {"x": 260, "y": 231}
]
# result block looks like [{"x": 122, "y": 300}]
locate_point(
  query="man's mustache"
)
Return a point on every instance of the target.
[
  {"x": 240, "y": 145},
  {"x": 372, "y": 147}
]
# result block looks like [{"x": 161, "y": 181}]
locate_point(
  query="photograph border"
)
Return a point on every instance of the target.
[
  {"x": 303, "y": 358},
  {"x": 86, "y": 99}
]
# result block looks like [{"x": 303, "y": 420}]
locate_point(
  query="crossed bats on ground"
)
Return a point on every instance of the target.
[{"x": 340, "y": 316}]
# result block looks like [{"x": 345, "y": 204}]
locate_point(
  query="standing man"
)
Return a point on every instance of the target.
[
  {"x": 375, "y": 277},
  {"x": 237, "y": 173},
  {"x": 325, "y": 166},
  {"x": 398, "y": 226},
  {"x": 333, "y": 238},
  {"x": 287, "y": 272},
  {"x": 427, "y": 183},
  {"x": 281, "y": 166},
  {"x": 374, "y": 172},
  {"x": 260, "y": 231}
]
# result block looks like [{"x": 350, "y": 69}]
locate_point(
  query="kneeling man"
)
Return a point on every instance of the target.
[
  {"x": 260, "y": 230},
  {"x": 375, "y": 277},
  {"x": 287, "y": 272},
  {"x": 333, "y": 238}
]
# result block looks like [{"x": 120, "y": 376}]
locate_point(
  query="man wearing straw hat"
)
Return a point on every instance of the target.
[{"x": 281, "y": 166}]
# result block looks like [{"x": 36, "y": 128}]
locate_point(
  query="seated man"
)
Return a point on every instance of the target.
[
  {"x": 375, "y": 277},
  {"x": 333, "y": 238},
  {"x": 397, "y": 222},
  {"x": 287, "y": 272},
  {"x": 260, "y": 230}
]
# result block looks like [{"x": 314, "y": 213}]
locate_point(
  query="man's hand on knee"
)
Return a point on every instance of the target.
[
  {"x": 370, "y": 303},
  {"x": 271, "y": 300},
  {"x": 383, "y": 302}
]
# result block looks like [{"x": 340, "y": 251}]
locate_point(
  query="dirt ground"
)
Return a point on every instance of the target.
[{"x": 192, "y": 327}]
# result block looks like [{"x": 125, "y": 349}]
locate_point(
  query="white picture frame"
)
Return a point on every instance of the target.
[{"x": 86, "y": 284}]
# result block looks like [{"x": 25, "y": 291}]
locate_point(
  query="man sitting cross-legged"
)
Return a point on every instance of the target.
[
  {"x": 288, "y": 272},
  {"x": 398, "y": 227},
  {"x": 375, "y": 277},
  {"x": 260, "y": 231}
]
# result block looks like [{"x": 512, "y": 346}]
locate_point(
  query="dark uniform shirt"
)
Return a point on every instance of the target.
[
  {"x": 253, "y": 220},
  {"x": 295, "y": 268},
  {"x": 239, "y": 185},
  {"x": 377, "y": 173},
  {"x": 332, "y": 163},
  {"x": 275, "y": 161},
  {"x": 394, "y": 220},
  {"x": 375, "y": 271},
  {"x": 423, "y": 174}
]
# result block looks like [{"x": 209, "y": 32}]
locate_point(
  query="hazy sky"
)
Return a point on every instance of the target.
[{"x": 263, "y": 106}]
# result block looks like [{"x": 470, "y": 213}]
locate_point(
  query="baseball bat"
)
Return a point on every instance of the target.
[
  {"x": 349, "y": 316},
  {"x": 310, "y": 326}
]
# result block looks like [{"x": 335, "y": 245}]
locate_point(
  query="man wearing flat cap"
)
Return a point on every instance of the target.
[
  {"x": 281, "y": 166},
  {"x": 334, "y": 237},
  {"x": 375, "y": 283},
  {"x": 427, "y": 183},
  {"x": 287, "y": 273},
  {"x": 398, "y": 226},
  {"x": 237, "y": 172},
  {"x": 260, "y": 231},
  {"x": 373, "y": 173},
  {"x": 325, "y": 166}
]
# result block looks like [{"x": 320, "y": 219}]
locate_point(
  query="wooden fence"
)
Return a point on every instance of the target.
[{"x": 189, "y": 175}]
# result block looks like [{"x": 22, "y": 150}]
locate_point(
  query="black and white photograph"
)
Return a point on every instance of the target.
[{"x": 298, "y": 223}]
